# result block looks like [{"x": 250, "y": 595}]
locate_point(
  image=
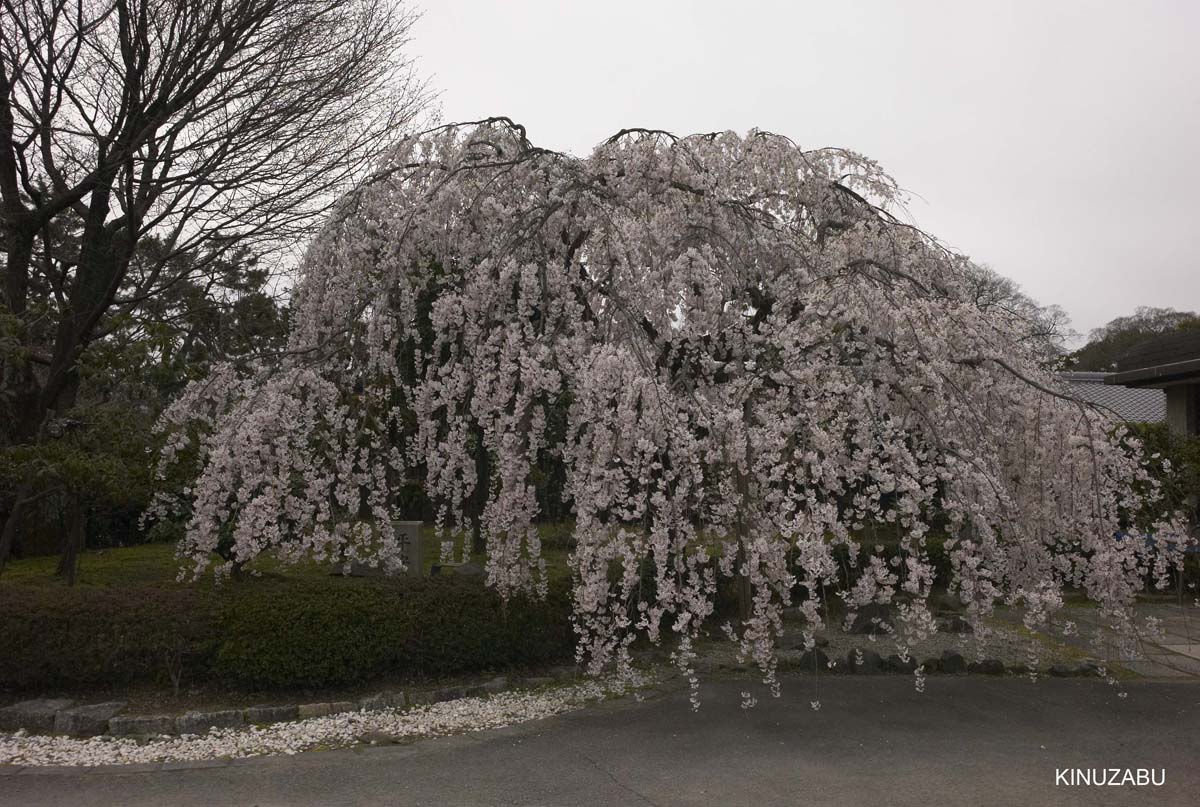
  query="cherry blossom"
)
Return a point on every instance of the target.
[{"x": 760, "y": 359}]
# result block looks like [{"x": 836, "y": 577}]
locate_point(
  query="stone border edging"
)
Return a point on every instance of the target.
[{"x": 63, "y": 716}]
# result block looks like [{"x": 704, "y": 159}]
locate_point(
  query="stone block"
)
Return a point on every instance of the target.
[
  {"x": 871, "y": 618},
  {"x": 201, "y": 722},
  {"x": 954, "y": 623},
  {"x": 813, "y": 662},
  {"x": 87, "y": 721},
  {"x": 953, "y": 663},
  {"x": 897, "y": 664},
  {"x": 271, "y": 714},
  {"x": 383, "y": 700},
  {"x": 871, "y": 663},
  {"x": 448, "y": 694},
  {"x": 491, "y": 687},
  {"x": 536, "y": 681},
  {"x": 309, "y": 710},
  {"x": 35, "y": 716},
  {"x": 123, "y": 725}
]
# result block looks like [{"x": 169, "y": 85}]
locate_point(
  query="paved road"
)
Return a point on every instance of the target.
[{"x": 966, "y": 741}]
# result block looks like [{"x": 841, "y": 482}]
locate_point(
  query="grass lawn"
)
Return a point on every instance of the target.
[{"x": 156, "y": 564}]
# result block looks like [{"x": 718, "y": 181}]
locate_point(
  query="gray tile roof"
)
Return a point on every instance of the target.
[{"x": 1143, "y": 405}]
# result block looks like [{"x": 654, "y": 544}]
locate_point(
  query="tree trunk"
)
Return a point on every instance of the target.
[
  {"x": 103, "y": 260},
  {"x": 8, "y": 530},
  {"x": 479, "y": 496},
  {"x": 73, "y": 537},
  {"x": 745, "y": 594}
]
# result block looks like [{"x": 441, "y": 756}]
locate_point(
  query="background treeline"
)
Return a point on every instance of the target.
[{"x": 95, "y": 466}]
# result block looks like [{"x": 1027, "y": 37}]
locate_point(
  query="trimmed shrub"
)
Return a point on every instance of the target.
[
  {"x": 319, "y": 633},
  {"x": 97, "y": 636},
  {"x": 273, "y": 633}
]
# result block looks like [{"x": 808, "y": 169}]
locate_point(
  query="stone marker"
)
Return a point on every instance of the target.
[
  {"x": 408, "y": 533},
  {"x": 34, "y": 716},
  {"x": 87, "y": 721}
]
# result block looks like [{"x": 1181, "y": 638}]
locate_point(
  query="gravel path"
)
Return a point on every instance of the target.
[{"x": 335, "y": 731}]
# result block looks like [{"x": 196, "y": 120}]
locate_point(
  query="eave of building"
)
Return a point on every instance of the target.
[{"x": 1162, "y": 375}]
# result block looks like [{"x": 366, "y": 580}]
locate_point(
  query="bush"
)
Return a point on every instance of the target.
[
  {"x": 273, "y": 633},
  {"x": 323, "y": 633},
  {"x": 87, "y": 637}
]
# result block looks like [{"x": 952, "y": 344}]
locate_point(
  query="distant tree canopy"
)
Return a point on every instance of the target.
[
  {"x": 99, "y": 449},
  {"x": 148, "y": 147},
  {"x": 1043, "y": 328},
  {"x": 1108, "y": 343}
]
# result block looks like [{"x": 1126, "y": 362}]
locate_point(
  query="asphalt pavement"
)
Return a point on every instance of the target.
[{"x": 874, "y": 741}]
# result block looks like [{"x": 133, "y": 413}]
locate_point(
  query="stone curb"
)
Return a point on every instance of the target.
[
  {"x": 37, "y": 716},
  {"x": 45, "y": 716}
]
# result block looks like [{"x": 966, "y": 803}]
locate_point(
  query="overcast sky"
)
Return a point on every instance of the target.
[{"x": 1057, "y": 142}]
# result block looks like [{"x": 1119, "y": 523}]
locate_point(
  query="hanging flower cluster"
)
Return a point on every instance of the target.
[{"x": 759, "y": 363}]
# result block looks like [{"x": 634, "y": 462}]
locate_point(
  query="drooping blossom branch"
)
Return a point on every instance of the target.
[{"x": 760, "y": 363}]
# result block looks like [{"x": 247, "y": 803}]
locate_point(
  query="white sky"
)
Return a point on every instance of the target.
[{"x": 1057, "y": 142}]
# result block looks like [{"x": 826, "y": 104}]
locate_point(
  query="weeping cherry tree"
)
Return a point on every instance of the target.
[{"x": 760, "y": 362}]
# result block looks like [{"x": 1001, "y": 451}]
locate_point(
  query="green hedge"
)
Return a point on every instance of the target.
[
  {"x": 276, "y": 634},
  {"x": 62, "y": 637},
  {"x": 320, "y": 633}
]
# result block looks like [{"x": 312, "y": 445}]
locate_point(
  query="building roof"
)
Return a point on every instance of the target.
[
  {"x": 1131, "y": 404},
  {"x": 1165, "y": 359}
]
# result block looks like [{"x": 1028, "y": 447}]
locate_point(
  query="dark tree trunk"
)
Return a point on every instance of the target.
[
  {"x": 8, "y": 529},
  {"x": 73, "y": 537},
  {"x": 479, "y": 496},
  {"x": 103, "y": 258}
]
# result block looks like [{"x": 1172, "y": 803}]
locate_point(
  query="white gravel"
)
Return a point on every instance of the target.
[{"x": 334, "y": 731}]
